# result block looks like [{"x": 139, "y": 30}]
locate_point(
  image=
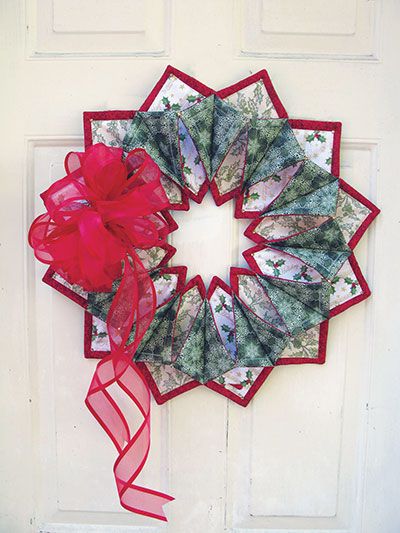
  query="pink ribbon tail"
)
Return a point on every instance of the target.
[{"x": 132, "y": 450}]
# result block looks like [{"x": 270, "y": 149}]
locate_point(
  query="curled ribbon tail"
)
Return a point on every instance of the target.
[
  {"x": 128, "y": 311},
  {"x": 133, "y": 458}
]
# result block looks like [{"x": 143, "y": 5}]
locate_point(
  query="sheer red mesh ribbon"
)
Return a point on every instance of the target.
[
  {"x": 96, "y": 217},
  {"x": 118, "y": 368}
]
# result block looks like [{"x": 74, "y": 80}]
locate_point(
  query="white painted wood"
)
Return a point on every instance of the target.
[
  {"x": 326, "y": 29},
  {"x": 98, "y": 28},
  {"x": 317, "y": 450}
]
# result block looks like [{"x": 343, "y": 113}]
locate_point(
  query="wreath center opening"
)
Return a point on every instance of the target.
[{"x": 209, "y": 239}]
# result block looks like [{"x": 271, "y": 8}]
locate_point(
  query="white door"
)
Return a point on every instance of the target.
[{"x": 318, "y": 447}]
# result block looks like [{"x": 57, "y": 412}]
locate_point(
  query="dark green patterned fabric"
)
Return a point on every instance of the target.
[
  {"x": 327, "y": 236},
  {"x": 324, "y": 248},
  {"x": 322, "y": 202},
  {"x": 327, "y": 262},
  {"x": 198, "y": 120},
  {"x": 228, "y": 123},
  {"x": 203, "y": 356},
  {"x": 217, "y": 360},
  {"x": 297, "y": 315},
  {"x": 99, "y": 303},
  {"x": 258, "y": 344},
  {"x": 156, "y": 345},
  {"x": 309, "y": 178},
  {"x": 260, "y": 136},
  {"x": 313, "y": 295},
  {"x": 163, "y": 128},
  {"x": 214, "y": 125},
  {"x": 157, "y": 133},
  {"x": 191, "y": 359},
  {"x": 283, "y": 152}
]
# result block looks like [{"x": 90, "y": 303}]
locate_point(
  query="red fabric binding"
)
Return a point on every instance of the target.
[
  {"x": 260, "y": 75},
  {"x": 368, "y": 204}
]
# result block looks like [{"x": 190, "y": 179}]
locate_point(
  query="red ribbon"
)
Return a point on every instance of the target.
[{"x": 96, "y": 217}]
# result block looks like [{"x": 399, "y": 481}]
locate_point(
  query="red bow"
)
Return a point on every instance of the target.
[
  {"x": 96, "y": 217},
  {"x": 101, "y": 210}
]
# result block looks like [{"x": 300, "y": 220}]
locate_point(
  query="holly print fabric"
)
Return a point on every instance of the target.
[{"x": 283, "y": 175}]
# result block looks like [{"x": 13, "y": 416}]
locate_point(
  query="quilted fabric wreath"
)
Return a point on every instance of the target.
[
  {"x": 283, "y": 174},
  {"x": 105, "y": 232}
]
